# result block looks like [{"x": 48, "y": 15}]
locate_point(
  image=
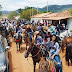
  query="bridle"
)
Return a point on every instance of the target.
[{"x": 32, "y": 50}]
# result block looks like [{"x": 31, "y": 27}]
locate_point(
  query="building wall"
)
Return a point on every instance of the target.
[
  {"x": 69, "y": 23},
  {"x": 36, "y": 19}
]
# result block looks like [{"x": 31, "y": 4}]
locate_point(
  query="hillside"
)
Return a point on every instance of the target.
[
  {"x": 56, "y": 8},
  {"x": 52, "y": 8}
]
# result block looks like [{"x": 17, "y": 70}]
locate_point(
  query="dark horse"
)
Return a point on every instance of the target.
[
  {"x": 35, "y": 52},
  {"x": 67, "y": 42},
  {"x": 69, "y": 53},
  {"x": 18, "y": 40}
]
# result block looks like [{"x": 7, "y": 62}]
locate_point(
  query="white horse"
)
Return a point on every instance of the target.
[{"x": 65, "y": 34}]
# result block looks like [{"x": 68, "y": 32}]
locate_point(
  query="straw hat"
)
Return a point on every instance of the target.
[
  {"x": 49, "y": 30},
  {"x": 36, "y": 32}
]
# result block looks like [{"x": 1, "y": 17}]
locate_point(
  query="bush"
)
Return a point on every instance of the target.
[
  {"x": 26, "y": 13},
  {"x": 12, "y": 15}
]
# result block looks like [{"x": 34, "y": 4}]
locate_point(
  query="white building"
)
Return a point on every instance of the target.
[{"x": 54, "y": 18}]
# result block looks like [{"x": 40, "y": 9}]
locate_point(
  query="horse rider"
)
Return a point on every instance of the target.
[
  {"x": 48, "y": 36},
  {"x": 53, "y": 51},
  {"x": 52, "y": 29},
  {"x": 38, "y": 40},
  {"x": 30, "y": 31},
  {"x": 19, "y": 30}
]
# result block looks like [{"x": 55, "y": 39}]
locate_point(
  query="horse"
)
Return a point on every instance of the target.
[
  {"x": 26, "y": 38},
  {"x": 18, "y": 40},
  {"x": 43, "y": 65},
  {"x": 10, "y": 29},
  {"x": 35, "y": 52},
  {"x": 65, "y": 42},
  {"x": 69, "y": 53},
  {"x": 65, "y": 35}
]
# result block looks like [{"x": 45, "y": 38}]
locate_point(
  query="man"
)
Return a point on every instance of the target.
[
  {"x": 29, "y": 30},
  {"x": 57, "y": 30},
  {"x": 52, "y": 29},
  {"x": 38, "y": 40},
  {"x": 19, "y": 30}
]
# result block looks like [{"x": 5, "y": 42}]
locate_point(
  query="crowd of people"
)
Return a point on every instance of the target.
[{"x": 49, "y": 39}]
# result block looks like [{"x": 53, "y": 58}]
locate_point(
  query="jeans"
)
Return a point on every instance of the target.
[
  {"x": 57, "y": 58},
  {"x": 30, "y": 33}
]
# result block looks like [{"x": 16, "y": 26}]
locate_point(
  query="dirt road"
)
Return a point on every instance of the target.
[{"x": 18, "y": 63}]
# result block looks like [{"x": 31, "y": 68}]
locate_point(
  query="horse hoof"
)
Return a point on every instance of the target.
[{"x": 17, "y": 51}]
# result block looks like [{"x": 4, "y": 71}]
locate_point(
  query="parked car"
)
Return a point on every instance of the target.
[{"x": 4, "y": 61}]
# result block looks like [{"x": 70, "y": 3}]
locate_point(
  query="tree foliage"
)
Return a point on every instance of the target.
[
  {"x": 45, "y": 11},
  {"x": 26, "y": 13},
  {"x": 20, "y": 11},
  {"x": 70, "y": 12},
  {"x": 0, "y": 10},
  {"x": 12, "y": 15}
]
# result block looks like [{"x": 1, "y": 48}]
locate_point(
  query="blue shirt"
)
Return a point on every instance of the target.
[
  {"x": 39, "y": 41},
  {"x": 52, "y": 29}
]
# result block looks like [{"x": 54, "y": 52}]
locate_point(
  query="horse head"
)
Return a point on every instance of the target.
[{"x": 29, "y": 49}]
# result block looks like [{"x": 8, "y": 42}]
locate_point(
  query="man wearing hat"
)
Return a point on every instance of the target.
[
  {"x": 19, "y": 30},
  {"x": 38, "y": 40}
]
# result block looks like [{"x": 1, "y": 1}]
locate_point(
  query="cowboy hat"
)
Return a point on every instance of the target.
[{"x": 36, "y": 32}]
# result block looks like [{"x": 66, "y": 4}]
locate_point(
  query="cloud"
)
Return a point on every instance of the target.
[{"x": 16, "y": 4}]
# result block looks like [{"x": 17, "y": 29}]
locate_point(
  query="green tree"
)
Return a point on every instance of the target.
[
  {"x": 45, "y": 11},
  {"x": 0, "y": 10},
  {"x": 26, "y": 13},
  {"x": 27, "y": 8},
  {"x": 20, "y": 10},
  {"x": 12, "y": 15},
  {"x": 70, "y": 12}
]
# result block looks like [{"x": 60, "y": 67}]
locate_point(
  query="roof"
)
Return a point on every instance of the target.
[
  {"x": 40, "y": 15},
  {"x": 54, "y": 16},
  {"x": 58, "y": 16}
]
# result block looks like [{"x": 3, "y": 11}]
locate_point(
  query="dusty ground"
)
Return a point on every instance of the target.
[{"x": 18, "y": 63}]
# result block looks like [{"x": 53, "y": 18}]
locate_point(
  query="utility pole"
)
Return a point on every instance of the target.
[
  {"x": 30, "y": 12},
  {"x": 37, "y": 9},
  {"x": 47, "y": 6}
]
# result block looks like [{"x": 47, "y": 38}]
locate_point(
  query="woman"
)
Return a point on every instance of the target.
[{"x": 53, "y": 50}]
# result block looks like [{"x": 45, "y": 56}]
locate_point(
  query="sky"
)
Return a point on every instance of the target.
[{"x": 11, "y": 5}]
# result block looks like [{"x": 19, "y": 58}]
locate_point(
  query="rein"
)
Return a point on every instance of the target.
[{"x": 36, "y": 54}]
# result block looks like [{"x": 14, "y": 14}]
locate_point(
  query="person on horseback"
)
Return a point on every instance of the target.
[
  {"x": 53, "y": 51},
  {"x": 19, "y": 30},
  {"x": 38, "y": 40},
  {"x": 30, "y": 31},
  {"x": 48, "y": 36}
]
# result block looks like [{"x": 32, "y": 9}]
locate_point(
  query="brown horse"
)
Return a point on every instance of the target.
[
  {"x": 35, "y": 52},
  {"x": 65, "y": 42},
  {"x": 27, "y": 38}
]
